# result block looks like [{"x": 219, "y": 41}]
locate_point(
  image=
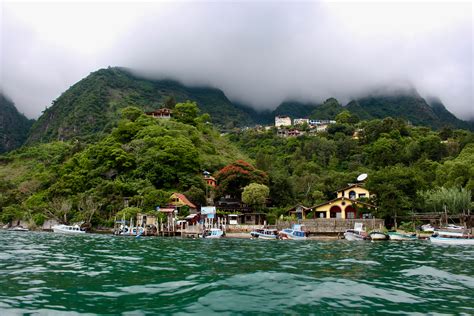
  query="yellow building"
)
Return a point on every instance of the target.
[{"x": 345, "y": 205}]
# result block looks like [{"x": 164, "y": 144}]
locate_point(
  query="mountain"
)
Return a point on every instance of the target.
[
  {"x": 406, "y": 105},
  {"x": 91, "y": 107},
  {"x": 14, "y": 126}
]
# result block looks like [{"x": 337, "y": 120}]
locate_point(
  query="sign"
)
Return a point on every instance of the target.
[{"x": 205, "y": 210}]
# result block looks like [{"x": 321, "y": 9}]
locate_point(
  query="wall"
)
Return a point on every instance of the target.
[{"x": 332, "y": 225}]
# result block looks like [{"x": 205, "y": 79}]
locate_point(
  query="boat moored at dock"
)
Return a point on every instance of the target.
[
  {"x": 265, "y": 233},
  {"x": 377, "y": 235},
  {"x": 68, "y": 229},
  {"x": 401, "y": 236},
  {"x": 294, "y": 233},
  {"x": 213, "y": 233}
]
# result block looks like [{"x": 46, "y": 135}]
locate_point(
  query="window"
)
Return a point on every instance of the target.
[
  {"x": 352, "y": 195},
  {"x": 361, "y": 195}
]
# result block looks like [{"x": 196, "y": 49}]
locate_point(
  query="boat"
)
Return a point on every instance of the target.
[
  {"x": 354, "y": 234},
  {"x": 124, "y": 230},
  {"x": 357, "y": 233},
  {"x": 68, "y": 229},
  {"x": 265, "y": 233},
  {"x": 427, "y": 228},
  {"x": 294, "y": 233},
  {"x": 378, "y": 235},
  {"x": 453, "y": 240},
  {"x": 213, "y": 233},
  {"x": 452, "y": 236},
  {"x": 19, "y": 229},
  {"x": 400, "y": 236}
]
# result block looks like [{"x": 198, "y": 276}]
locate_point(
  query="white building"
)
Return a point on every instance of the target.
[
  {"x": 300, "y": 121},
  {"x": 282, "y": 121}
]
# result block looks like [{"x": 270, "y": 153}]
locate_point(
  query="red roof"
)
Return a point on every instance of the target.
[{"x": 185, "y": 200}]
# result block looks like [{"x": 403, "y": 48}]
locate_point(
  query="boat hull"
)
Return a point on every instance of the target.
[
  {"x": 452, "y": 241},
  {"x": 398, "y": 236},
  {"x": 378, "y": 236},
  {"x": 67, "y": 230},
  {"x": 354, "y": 237}
]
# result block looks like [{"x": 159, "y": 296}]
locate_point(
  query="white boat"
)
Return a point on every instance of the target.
[
  {"x": 453, "y": 240},
  {"x": 376, "y": 235},
  {"x": 19, "y": 229},
  {"x": 427, "y": 228},
  {"x": 400, "y": 236},
  {"x": 265, "y": 233},
  {"x": 213, "y": 233},
  {"x": 294, "y": 233},
  {"x": 134, "y": 231},
  {"x": 67, "y": 229},
  {"x": 354, "y": 234}
]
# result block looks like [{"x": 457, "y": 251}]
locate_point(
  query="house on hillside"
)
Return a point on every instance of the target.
[
  {"x": 300, "y": 121},
  {"x": 347, "y": 204},
  {"x": 179, "y": 201},
  {"x": 282, "y": 121},
  {"x": 162, "y": 113}
]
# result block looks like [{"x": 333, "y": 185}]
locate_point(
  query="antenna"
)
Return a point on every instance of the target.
[{"x": 362, "y": 177}]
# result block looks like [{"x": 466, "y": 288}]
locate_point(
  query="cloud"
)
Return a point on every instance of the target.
[{"x": 258, "y": 53}]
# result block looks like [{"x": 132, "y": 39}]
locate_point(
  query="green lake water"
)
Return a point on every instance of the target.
[{"x": 53, "y": 274}]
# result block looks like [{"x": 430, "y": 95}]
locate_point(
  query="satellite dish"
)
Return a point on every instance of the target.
[{"x": 362, "y": 177}]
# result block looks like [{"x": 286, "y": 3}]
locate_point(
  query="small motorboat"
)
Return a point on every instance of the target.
[
  {"x": 378, "y": 235},
  {"x": 400, "y": 236},
  {"x": 68, "y": 229},
  {"x": 18, "y": 229},
  {"x": 295, "y": 233},
  {"x": 427, "y": 228},
  {"x": 453, "y": 240},
  {"x": 355, "y": 234},
  {"x": 213, "y": 233},
  {"x": 265, "y": 233},
  {"x": 452, "y": 236}
]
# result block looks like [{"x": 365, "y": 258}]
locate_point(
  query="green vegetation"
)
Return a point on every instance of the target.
[
  {"x": 143, "y": 160},
  {"x": 14, "y": 126},
  {"x": 401, "y": 161}
]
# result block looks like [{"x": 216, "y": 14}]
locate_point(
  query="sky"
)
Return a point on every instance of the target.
[{"x": 259, "y": 53}]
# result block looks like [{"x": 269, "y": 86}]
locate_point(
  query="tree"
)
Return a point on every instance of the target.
[
  {"x": 453, "y": 200},
  {"x": 255, "y": 195},
  {"x": 170, "y": 102},
  {"x": 186, "y": 112},
  {"x": 234, "y": 177},
  {"x": 343, "y": 117}
]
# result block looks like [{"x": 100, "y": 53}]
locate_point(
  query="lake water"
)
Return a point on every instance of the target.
[{"x": 57, "y": 274}]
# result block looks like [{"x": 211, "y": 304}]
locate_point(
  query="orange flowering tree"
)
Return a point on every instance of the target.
[{"x": 234, "y": 177}]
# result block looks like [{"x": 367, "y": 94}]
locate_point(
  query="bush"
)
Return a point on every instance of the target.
[{"x": 39, "y": 219}]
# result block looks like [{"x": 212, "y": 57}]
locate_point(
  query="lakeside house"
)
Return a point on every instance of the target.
[
  {"x": 179, "y": 201},
  {"x": 347, "y": 204},
  {"x": 163, "y": 113}
]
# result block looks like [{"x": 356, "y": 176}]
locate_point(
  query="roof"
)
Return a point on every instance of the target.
[
  {"x": 160, "y": 111},
  {"x": 360, "y": 185},
  {"x": 299, "y": 205},
  {"x": 345, "y": 198},
  {"x": 166, "y": 210},
  {"x": 184, "y": 199}
]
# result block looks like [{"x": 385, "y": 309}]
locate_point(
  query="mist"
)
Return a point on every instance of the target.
[{"x": 259, "y": 54}]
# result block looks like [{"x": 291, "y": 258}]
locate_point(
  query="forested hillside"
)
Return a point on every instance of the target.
[
  {"x": 91, "y": 107},
  {"x": 143, "y": 159},
  {"x": 14, "y": 126},
  {"x": 401, "y": 162}
]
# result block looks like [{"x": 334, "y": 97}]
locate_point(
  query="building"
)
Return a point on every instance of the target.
[
  {"x": 180, "y": 200},
  {"x": 321, "y": 125},
  {"x": 210, "y": 180},
  {"x": 282, "y": 121},
  {"x": 300, "y": 121},
  {"x": 162, "y": 113},
  {"x": 299, "y": 211},
  {"x": 346, "y": 205}
]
